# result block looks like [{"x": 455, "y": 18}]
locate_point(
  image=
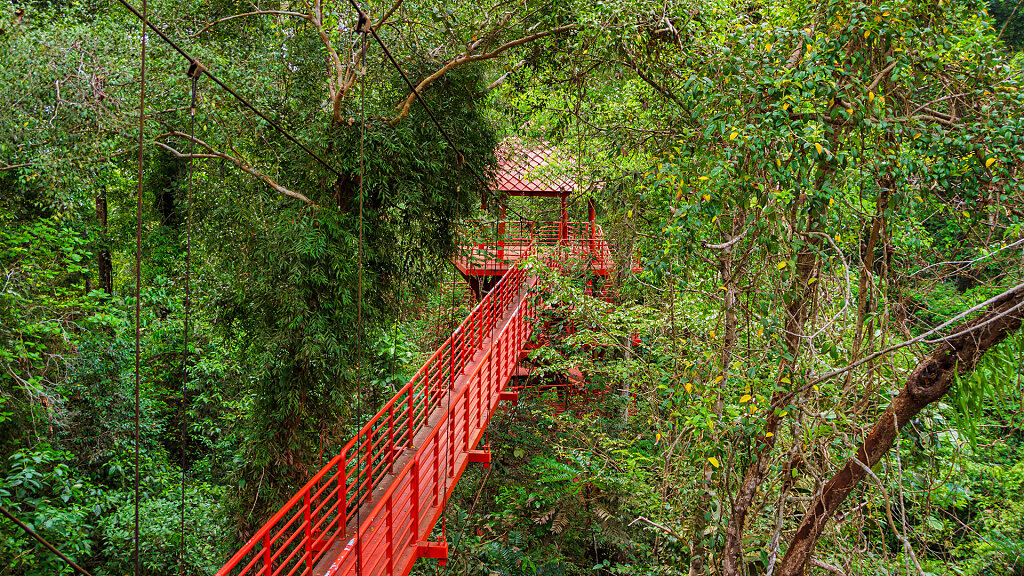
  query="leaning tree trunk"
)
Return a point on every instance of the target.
[{"x": 930, "y": 381}]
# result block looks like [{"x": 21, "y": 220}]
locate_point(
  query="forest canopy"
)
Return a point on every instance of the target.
[{"x": 810, "y": 350}]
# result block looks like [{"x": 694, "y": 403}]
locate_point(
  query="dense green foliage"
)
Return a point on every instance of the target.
[{"x": 805, "y": 185}]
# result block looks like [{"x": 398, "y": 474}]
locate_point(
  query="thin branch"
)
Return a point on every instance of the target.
[
  {"x": 255, "y": 13},
  {"x": 466, "y": 58},
  {"x": 241, "y": 164},
  {"x": 826, "y": 566},
  {"x": 664, "y": 529},
  {"x": 921, "y": 338},
  {"x": 726, "y": 245}
]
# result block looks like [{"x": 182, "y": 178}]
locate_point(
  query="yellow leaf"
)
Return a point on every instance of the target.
[
  {"x": 657, "y": 437},
  {"x": 849, "y": 111},
  {"x": 812, "y": 281},
  {"x": 815, "y": 387},
  {"x": 885, "y": 13},
  {"x": 780, "y": 265},
  {"x": 785, "y": 380},
  {"x": 818, "y": 147},
  {"x": 768, "y": 47},
  {"x": 867, "y": 33},
  {"x": 733, "y": 135},
  {"x": 760, "y": 332},
  {"x": 745, "y": 398},
  {"x": 871, "y": 96},
  {"x": 718, "y": 379},
  {"x": 966, "y": 214},
  {"x": 723, "y": 288},
  {"x": 714, "y": 461},
  {"x": 768, "y": 434},
  {"x": 706, "y": 197},
  {"x": 753, "y": 408},
  {"x": 990, "y": 162},
  {"x": 712, "y": 334},
  {"x": 919, "y": 199},
  {"x": 702, "y": 178},
  {"x": 689, "y": 387},
  {"x": 778, "y": 163},
  {"x": 831, "y": 202},
  {"x": 785, "y": 106}
]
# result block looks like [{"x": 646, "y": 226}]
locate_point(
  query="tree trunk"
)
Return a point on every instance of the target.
[
  {"x": 729, "y": 280},
  {"x": 798, "y": 312},
  {"x": 930, "y": 381},
  {"x": 104, "y": 265}
]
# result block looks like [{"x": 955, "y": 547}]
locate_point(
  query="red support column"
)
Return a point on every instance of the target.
[
  {"x": 592, "y": 215},
  {"x": 391, "y": 438},
  {"x": 415, "y": 497},
  {"x": 501, "y": 237},
  {"x": 410, "y": 425},
  {"x": 308, "y": 529},
  {"x": 390, "y": 550},
  {"x": 563, "y": 225},
  {"x": 343, "y": 509},
  {"x": 268, "y": 563}
]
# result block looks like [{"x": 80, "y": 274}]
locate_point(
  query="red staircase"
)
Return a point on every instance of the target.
[{"x": 371, "y": 509}]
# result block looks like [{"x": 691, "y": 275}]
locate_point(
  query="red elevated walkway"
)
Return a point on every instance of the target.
[
  {"x": 372, "y": 508},
  {"x": 404, "y": 463}
]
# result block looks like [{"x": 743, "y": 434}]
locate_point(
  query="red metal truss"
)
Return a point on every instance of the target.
[{"x": 405, "y": 462}]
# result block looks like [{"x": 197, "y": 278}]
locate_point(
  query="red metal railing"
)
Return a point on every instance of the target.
[
  {"x": 422, "y": 431},
  {"x": 572, "y": 244}
]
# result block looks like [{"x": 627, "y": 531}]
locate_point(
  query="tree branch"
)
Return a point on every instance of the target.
[
  {"x": 241, "y": 164},
  {"x": 931, "y": 380},
  {"x": 466, "y": 58},
  {"x": 255, "y": 13}
]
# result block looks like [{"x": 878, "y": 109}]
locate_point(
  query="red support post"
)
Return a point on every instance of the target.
[
  {"x": 501, "y": 236},
  {"x": 268, "y": 562},
  {"x": 390, "y": 549},
  {"x": 391, "y": 438},
  {"x": 563, "y": 224},
  {"x": 343, "y": 488},
  {"x": 308, "y": 529},
  {"x": 415, "y": 497},
  {"x": 592, "y": 214},
  {"x": 411, "y": 418}
]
